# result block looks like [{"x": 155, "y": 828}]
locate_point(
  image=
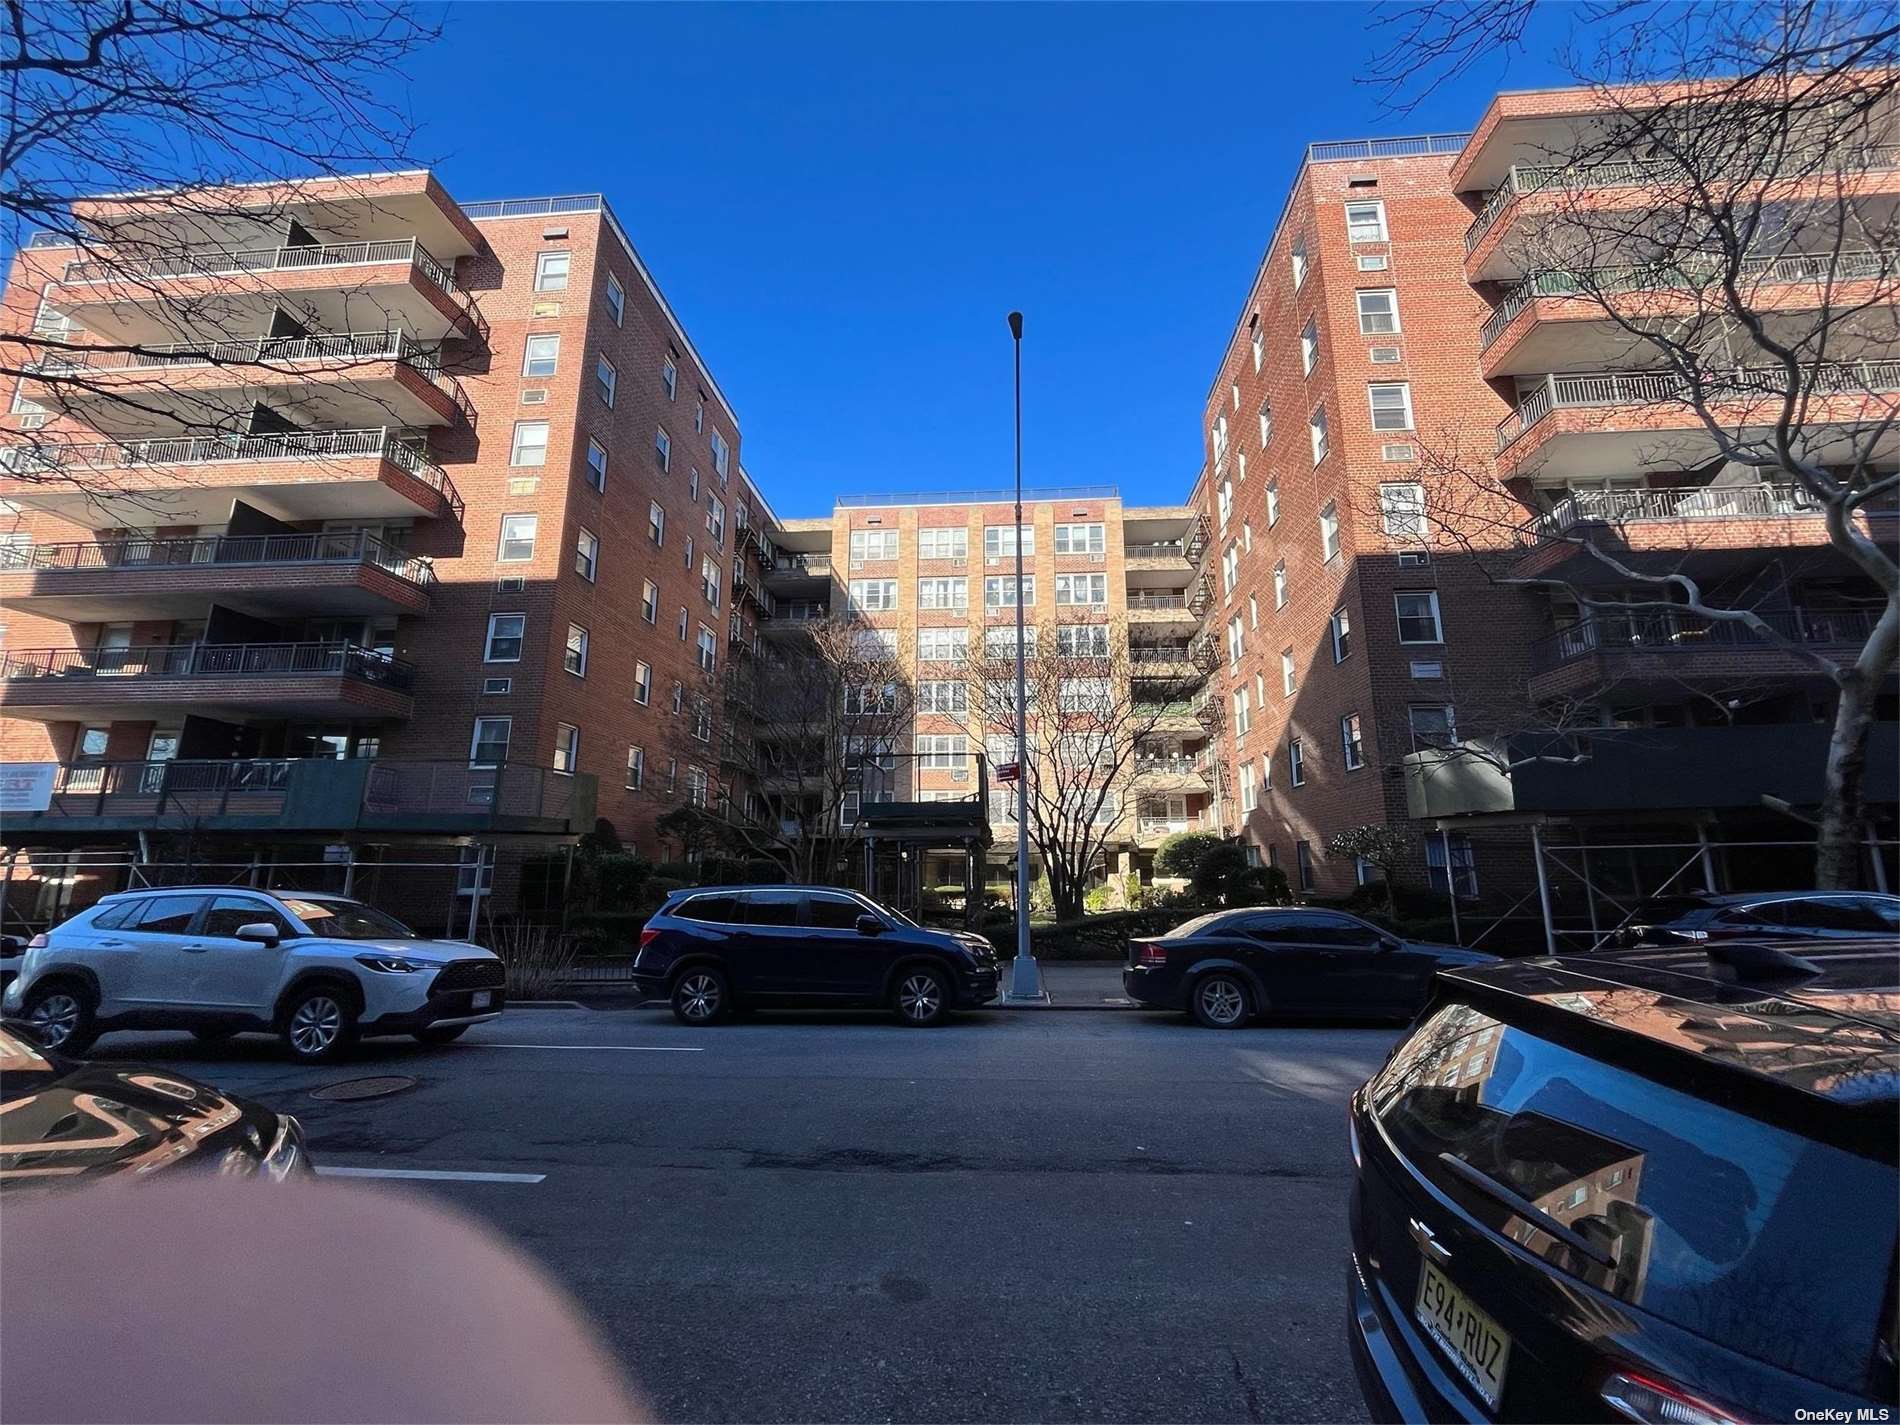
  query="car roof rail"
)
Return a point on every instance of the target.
[{"x": 1752, "y": 960}]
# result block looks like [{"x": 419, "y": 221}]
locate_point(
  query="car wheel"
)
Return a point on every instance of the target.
[
  {"x": 213, "y": 1036},
  {"x": 441, "y": 1034},
  {"x": 62, "y": 1015},
  {"x": 921, "y": 997},
  {"x": 701, "y": 996},
  {"x": 1220, "y": 1001},
  {"x": 319, "y": 1025}
]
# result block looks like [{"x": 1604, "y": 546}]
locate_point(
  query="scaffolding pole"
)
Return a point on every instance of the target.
[
  {"x": 1543, "y": 887},
  {"x": 1451, "y": 887}
]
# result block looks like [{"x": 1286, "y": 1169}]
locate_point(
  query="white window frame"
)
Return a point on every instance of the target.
[
  {"x": 1438, "y": 620},
  {"x": 1080, "y": 539},
  {"x": 1316, "y": 430},
  {"x": 873, "y": 595},
  {"x": 567, "y": 749},
  {"x": 569, "y": 651},
  {"x": 1296, "y": 761},
  {"x": 1404, "y": 388},
  {"x": 1329, "y": 542},
  {"x": 996, "y": 586},
  {"x": 933, "y": 539},
  {"x": 616, "y": 300},
  {"x": 1375, "y": 322},
  {"x": 643, "y": 683},
  {"x": 650, "y": 601},
  {"x": 1089, "y": 584},
  {"x": 1279, "y": 585},
  {"x": 544, "y": 278},
  {"x": 874, "y": 544},
  {"x": 1289, "y": 673},
  {"x": 586, "y": 553},
  {"x": 1000, "y": 543},
  {"x": 670, "y": 378},
  {"x": 1402, "y": 507},
  {"x": 663, "y": 447},
  {"x": 504, "y": 539},
  {"x": 932, "y": 641},
  {"x": 935, "y": 591},
  {"x": 1356, "y": 228},
  {"x": 1352, "y": 744},
  {"x": 656, "y": 522},
  {"x": 1309, "y": 346},
  {"x": 606, "y": 379},
  {"x": 596, "y": 469},
  {"x": 636, "y": 767},
  {"x": 520, "y": 638},
  {"x": 541, "y": 366},
  {"x": 475, "y": 740},
  {"x": 527, "y": 454},
  {"x": 707, "y": 650},
  {"x": 1339, "y": 630},
  {"x": 1273, "y": 503},
  {"x": 1296, "y": 254}
]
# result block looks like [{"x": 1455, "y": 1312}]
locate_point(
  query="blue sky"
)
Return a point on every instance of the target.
[{"x": 843, "y": 202}]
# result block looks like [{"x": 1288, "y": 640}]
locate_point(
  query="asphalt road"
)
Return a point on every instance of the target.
[{"x": 1023, "y": 1216}]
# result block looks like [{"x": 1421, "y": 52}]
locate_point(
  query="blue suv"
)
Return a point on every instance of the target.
[{"x": 712, "y": 949}]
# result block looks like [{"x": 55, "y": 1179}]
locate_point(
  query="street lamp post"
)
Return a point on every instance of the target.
[{"x": 1025, "y": 978}]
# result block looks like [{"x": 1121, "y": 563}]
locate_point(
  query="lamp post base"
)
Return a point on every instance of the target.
[{"x": 1025, "y": 982}]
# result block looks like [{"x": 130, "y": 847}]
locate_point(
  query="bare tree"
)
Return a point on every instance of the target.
[
  {"x": 1710, "y": 219},
  {"x": 1084, "y": 727},
  {"x": 209, "y": 125}
]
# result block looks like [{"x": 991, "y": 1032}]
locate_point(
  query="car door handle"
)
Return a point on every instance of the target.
[
  {"x": 113, "y": 944},
  {"x": 194, "y": 949}
]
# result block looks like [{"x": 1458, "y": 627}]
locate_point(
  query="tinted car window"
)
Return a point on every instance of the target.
[
  {"x": 229, "y": 913},
  {"x": 1666, "y": 908},
  {"x": 1882, "y": 912},
  {"x": 1224, "y": 922},
  {"x": 1711, "y": 1217},
  {"x": 1341, "y": 930},
  {"x": 168, "y": 915},
  {"x": 1832, "y": 913},
  {"x": 771, "y": 908},
  {"x": 117, "y": 917},
  {"x": 348, "y": 920},
  {"x": 713, "y": 908},
  {"x": 1303, "y": 927},
  {"x": 835, "y": 912}
]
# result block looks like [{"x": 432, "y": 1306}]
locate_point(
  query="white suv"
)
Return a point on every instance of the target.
[{"x": 320, "y": 970}]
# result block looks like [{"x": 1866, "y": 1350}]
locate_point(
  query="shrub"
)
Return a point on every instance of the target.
[
  {"x": 535, "y": 959},
  {"x": 1181, "y": 854}
]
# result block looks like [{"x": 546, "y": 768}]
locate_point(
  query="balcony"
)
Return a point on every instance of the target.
[
  {"x": 296, "y": 476},
  {"x": 1595, "y": 423},
  {"x": 1643, "y": 650},
  {"x": 237, "y": 682},
  {"x": 1166, "y": 554},
  {"x": 133, "y": 300},
  {"x": 1174, "y": 772},
  {"x": 282, "y": 794},
  {"x": 1151, "y": 831},
  {"x": 792, "y": 616},
  {"x": 1163, "y": 661},
  {"x": 1529, "y": 191},
  {"x": 1557, "y": 316},
  {"x": 274, "y": 575},
  {"x": 341, "y": 380},
  {"x": 1152, "y": 608},
  {"x": 795, "y": 570}
]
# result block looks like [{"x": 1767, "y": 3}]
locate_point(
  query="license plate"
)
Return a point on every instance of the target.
[
  {"x": 1477, "y": 1347},
  {"x": 481, "y": 999}
]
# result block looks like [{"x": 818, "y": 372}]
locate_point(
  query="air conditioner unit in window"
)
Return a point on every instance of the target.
[
  {"x": 1098, "y": 559},
  {"x": 857, "y": 564},
  {"x": 960, "y": 775},
  {"x": 1383, "y": 355},
  {"x": 1398, "y": 452},
  {"x": 497, "y": 685},
  {"x": 993, "y": 560},
  {"x": 1372, "y": 262},
  {"x": 511, "y": 584},
  {"x": 34, "y": 420},
  {"x": 545, "y": 309},
  {"x": 536, "y": 397}
]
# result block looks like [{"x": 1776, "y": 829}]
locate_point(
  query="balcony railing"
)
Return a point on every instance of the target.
[
  {"x": 1150, "y": 654},
  {"x": 219, "y": 263},
  {"x": 1789, "y": 268},
  {"x": 212, "y": 660},
  {"x": 1635, "y": 388},
  {"x": 330, "y": 547},
  {"x": 1695, "y": 502},
  {"x": 1158, "y": 549},
  {"x": 1168, "y": 825},
  {"x": 263, "y": 351},
  {"x": 1180, "y": 764},
  {"x": 57, "y": 458},
  {"x": 1672, "y": 632},
  {"x": 1157, "y": 601},
  {"x": 1525, "y": 178},
  {"x": 815, "y": 565}
]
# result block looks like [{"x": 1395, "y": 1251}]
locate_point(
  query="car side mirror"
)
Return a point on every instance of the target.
[
  {"x": 261, "y": 931},
  {"x": 1386, "y": 943},
  {"x": 870, "y": 925}
]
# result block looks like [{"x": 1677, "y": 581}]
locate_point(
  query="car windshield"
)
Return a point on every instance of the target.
[{"x": 348, "y": 920}]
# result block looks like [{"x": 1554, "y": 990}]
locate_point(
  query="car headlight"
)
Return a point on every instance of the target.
[
  {"x": 392, "y": 964},
  {"x": 287, "y": 1157}
]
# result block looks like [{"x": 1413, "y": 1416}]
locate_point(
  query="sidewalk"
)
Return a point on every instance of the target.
[{"x": 1078, "y": 984}]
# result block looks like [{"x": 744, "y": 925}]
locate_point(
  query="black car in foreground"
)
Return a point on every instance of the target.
[
  {"x": 1651, "y": 1185},
  {"x": 1236, "y": 965},
  {"x": 712, "y": 950},
  {"x": 64, "y": 1121},
  {"x": 1754, "y": 915}
]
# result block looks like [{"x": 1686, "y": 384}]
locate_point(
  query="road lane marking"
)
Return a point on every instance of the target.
[
  {"x": 429, "y": 1175},
  {"x": 623, "y": 1048}
]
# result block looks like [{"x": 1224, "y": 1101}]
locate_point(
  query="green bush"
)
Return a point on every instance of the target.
[
  {"x": 1094, "y": 937},
  {"x": 1181, "y": 854}
]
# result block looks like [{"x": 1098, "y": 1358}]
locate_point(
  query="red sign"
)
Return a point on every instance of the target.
[{"x": 1009, "y": 771}]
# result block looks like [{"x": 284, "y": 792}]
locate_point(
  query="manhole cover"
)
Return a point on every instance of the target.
[{"x": 351, "y": 1089}]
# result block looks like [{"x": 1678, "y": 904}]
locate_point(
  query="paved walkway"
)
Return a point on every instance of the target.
[{"x": 1080, "y": 984}]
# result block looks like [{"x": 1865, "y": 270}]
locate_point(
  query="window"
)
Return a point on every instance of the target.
[
  {"x": 1316, "y": 428},
  {"x": 1351, "y": 743},
  {"x": 696, "y": 786},
  {"x": 1266, "y": 425},
  {"x": 709, "y": 580},
  {"x": 1279, "y": 584},
  {"x": 505, "y": 633},
  {"x": 1000, "y": 593},
  {"x": 1303, "y": 854},
  {"x": 1259, "y": 343},
  {"x": 1373, "y": 262},
  {"x": 550, "y": 271},
  {"x": 1432, "y": 726},
  {"x": 168, "y": 915},
  {"x": 1402, "y": 508},
  {"x": 1391, "y": 405},
  {"x": 708, "y": 656},
  {"x": 1309, "y": 345},
  {"x": 1079, "y": 539},
  {"x": 1246, "y": 536},
  {"x": 1341, "y": 628},
  {"x": 1378, "y": 311},
  {"x": 1226, "y": 503},
  {"x": 649, "y": 601},
  {"x": 943, "y": 543},
  {"x": 670, "y": 378},
  {"x": 1249, "y": 789},
  {"x": 679, "y": 699},
  {"x": 1289, "y": 673},
  {"x": 1217, "y": 434},
  {"x": 636, "y": 767},
  {"x": 702, "y": 720},
  {"x": 586, "y": 554},
  {"x": 943, "y": 593},
  {"x": 606, "y": 378},
  {"x": 596, "y": 464},
  {"x": 517, "y": 539},
  {"x": 642, "y": 684},
  {"x": 1229, "y": 571},
  {"x": 567, "y": 748},
  {"x": 1296, "y": 762},
  {"x": 662, "y": 449},
  {"x": 575, "y": 659},
  {"x": 1450, "y": 866},
  {"x": 943, "y": 645},
  {"x": 1236, "y": 641},
  {"x": 488, "y": 747},
  {"x": 1243, "y": 712},
  {"x": 1253, "y": 611},
  {"x": 688, "y": 552},
  {"x": 865, "y": 698},
  {"x": 1001, "y": 642},
  {"x": 1000, "y": 540},
  {"x": 942, "y": 697},
  {"x": 1297, "y": 252},
  {"x": 531, "y": 444},
  {"x": 716, "y": 519},
  {"x": 874, "y": 644},
  {"x": 722, "y": 457},
  {"x": 1091, "y": 589},
  {"x": 616, "y": 299},
  {"x": 1273, "y": 503},
  {"x": 873, "y": 544},
  {"x": 1329, "y": 531},
  {"x": 873, "y": 595},
  {"x": 1266, "y": 771},
  {"x": 692, "y": 485},
  {"x": 1365, "y": 221},
  {"x": 685, "y": 619},
  {"x": 1418, "y": 617},
  {"x": 672, "y": 775},
  {"x": 699, "y": 414},
  {"x": 1085, "y": 695},
  {"x": 656, "y": 522},
  {"x": 1080, "y": 640},
  {"x": 541, "y": 355}
]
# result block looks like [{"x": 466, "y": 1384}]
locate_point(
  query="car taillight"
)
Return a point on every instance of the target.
[
  {"x": 1660, "y": 1402},
  {"x": 647, "y": 937},
  {"x": 1153, "y": 954},
  {"x": 38, "y": 942}
]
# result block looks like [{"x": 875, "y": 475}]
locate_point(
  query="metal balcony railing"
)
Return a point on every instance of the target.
[
  {"x": 1632, "y": 388},
  {"x": 1151, "y": 654},
  {"x": 813, "y": 565},
  {"x": 211, "y": 660},
  {"x": 222, "y": 550},
  {"x": 1695, "y": 502},
  {"x": 264, "y": 351},
  {"x": 383, "y": 443},
  {"x": 1157, "y": 601},
  {"x": 1168, "y": 825},
  {"x": 1181, "y": 764},
  {"x": 1787, "y": 268},
  {"x": 221, "y": 263},
  {"x": 1157, "y": 549},
  {"x": 1671, "y": 632},
  {"x": 1527, "y": 178}
]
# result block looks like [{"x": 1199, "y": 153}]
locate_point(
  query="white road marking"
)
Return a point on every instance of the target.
[
  {"x": 624, "y": 1048},
  {"x": 429, "y": 1175}
]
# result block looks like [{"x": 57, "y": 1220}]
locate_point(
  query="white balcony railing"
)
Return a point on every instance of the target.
[{"x": 222, "y": 263}]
